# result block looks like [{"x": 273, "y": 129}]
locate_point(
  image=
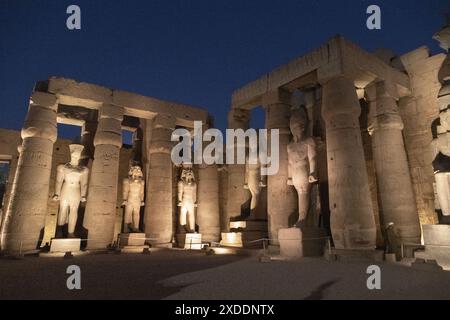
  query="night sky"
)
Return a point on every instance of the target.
[{"x": 195, "y": 52}]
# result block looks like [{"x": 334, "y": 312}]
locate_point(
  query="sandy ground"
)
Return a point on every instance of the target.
[
  {"x": 103, "y": 276},
  {"x": 188, "y": 275},
  {"x": 309, "y": 278}
]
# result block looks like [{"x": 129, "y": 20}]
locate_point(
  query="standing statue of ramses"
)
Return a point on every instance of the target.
[
  {"x": 301, "y": 163},
  {"x": 187, "y": 199},
  {"x": 71, "y": 189},
  {"x": 133, "y": 197}
]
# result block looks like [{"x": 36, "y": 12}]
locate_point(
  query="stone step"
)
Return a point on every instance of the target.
[
  {"x": 132, "y": 239},
  {"x": 244, "y": 239}
]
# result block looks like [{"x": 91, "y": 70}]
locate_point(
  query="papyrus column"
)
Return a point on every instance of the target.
[
  {"x": 352, "y": 220},
  {"x": 25, "y": 220},
  {"x": 237, "y": 196},
  {"x": 100, "y": 214},
  {"x": 158, "y": 204},
  {"x": 396, "y": 194},
  {"x": 208, "y": 216},
  {"x": 281, "y": 198}
]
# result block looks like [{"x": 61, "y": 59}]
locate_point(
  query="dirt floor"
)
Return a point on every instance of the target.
[{"x": 194, "y": 275}]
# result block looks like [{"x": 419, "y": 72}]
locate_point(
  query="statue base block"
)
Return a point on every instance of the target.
[
  {"x": 232, "y": 239},
  {"x": 132, "y": 239},
  {"x": 65, "y": 245},
  {"x": 297, "y": 243},
  {"x": 191, "y": 241},
  {"x": 134, "y": 249}
]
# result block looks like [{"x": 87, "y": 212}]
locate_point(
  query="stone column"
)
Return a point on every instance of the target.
[
  {"x": 237, "y": 196},
  {"x": 281, "y": 198},
  {"x": 87, "y": 140},
  {"x": 208, "y": 217},
  {"x": 25, "y": 220},
  {"x": 352, "y": 219},
  {"x": 396, "y": 194},
  {"x": 158, "y": 203},
  {"x": 100, "y": 214}
]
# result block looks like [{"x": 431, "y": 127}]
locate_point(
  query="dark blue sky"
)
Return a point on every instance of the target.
[{"x": 196, "y": 52}]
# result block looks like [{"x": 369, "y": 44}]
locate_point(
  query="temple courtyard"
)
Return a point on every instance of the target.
[{"x": 185, "y": 275}]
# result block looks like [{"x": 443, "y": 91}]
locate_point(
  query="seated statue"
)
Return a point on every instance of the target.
[
  {"x": 70, "y": 189},
  {"x": 133, "y": 198},
  {"x": 301, "y": 163},
  {"x": 187, "y": 199}
]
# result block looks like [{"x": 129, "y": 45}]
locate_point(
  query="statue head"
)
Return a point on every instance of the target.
[
  {"x": 297, "y": 123},
  {"x": 187, "y": 175},
  {"x": 75, "y": 153},
  {"x": 135, "y": 173}
]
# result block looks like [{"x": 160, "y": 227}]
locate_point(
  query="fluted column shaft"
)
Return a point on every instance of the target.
[
  {"x": 158, "y": 205},
  {"x": 25, "y": 219},
  {"x": 352, "y": 220},
  {"x": 100, "y": 214}
]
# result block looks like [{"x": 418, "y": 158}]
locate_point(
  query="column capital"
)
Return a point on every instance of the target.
[
  {"x": 44, "y": 99},
  {"x": 278, "y": 96},
  {"x": 111, "y": 111},
  {"x": 238, "y": 118}
]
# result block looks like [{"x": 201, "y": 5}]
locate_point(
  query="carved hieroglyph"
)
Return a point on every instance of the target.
[
  {"x": 71, "y": 189},
  {"x": 133, "y": 198},
  {"x": 187, "y": 199},
  {"x": 301, "y": 163}
]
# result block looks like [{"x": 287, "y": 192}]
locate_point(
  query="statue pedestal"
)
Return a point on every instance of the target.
[
  {"x": 65, "y": 245},
  {"x": 131, "y": 239},
  {"x": 436, "y": 238},
  {"x": 232, "y": 239},
  {"x": 191, "y": 241},
  {"x": 297, "y": 243},
  {"x": 132, "y": 243}
]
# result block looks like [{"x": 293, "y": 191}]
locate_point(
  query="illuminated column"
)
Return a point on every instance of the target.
[
  {"x": 397, "y": 203},
  {"x": 87, "y": 140},
  {"x": 352, "y": 220},
  {"x": 237, "y": 196},
  {"x": 208, "y": 217},
  {"x": 158, "y": 204},
  {"x": 100, "y": 214},
  {"x": 25, "y": 219},
  {"x": 281, "y": 198}
]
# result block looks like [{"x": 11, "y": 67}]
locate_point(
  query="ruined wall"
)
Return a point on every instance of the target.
[{"x": 418, "y": 112}]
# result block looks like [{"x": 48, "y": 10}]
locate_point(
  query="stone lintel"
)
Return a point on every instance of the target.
[{"x": 71, "y": 92}]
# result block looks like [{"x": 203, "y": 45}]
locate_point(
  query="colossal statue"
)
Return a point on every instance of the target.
[
  {"x": 301, "y": 163},
  {"x": 133, "y": 198},
  {"x": 187, "y": 199},
  {"x": 71, "y": 189}
]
